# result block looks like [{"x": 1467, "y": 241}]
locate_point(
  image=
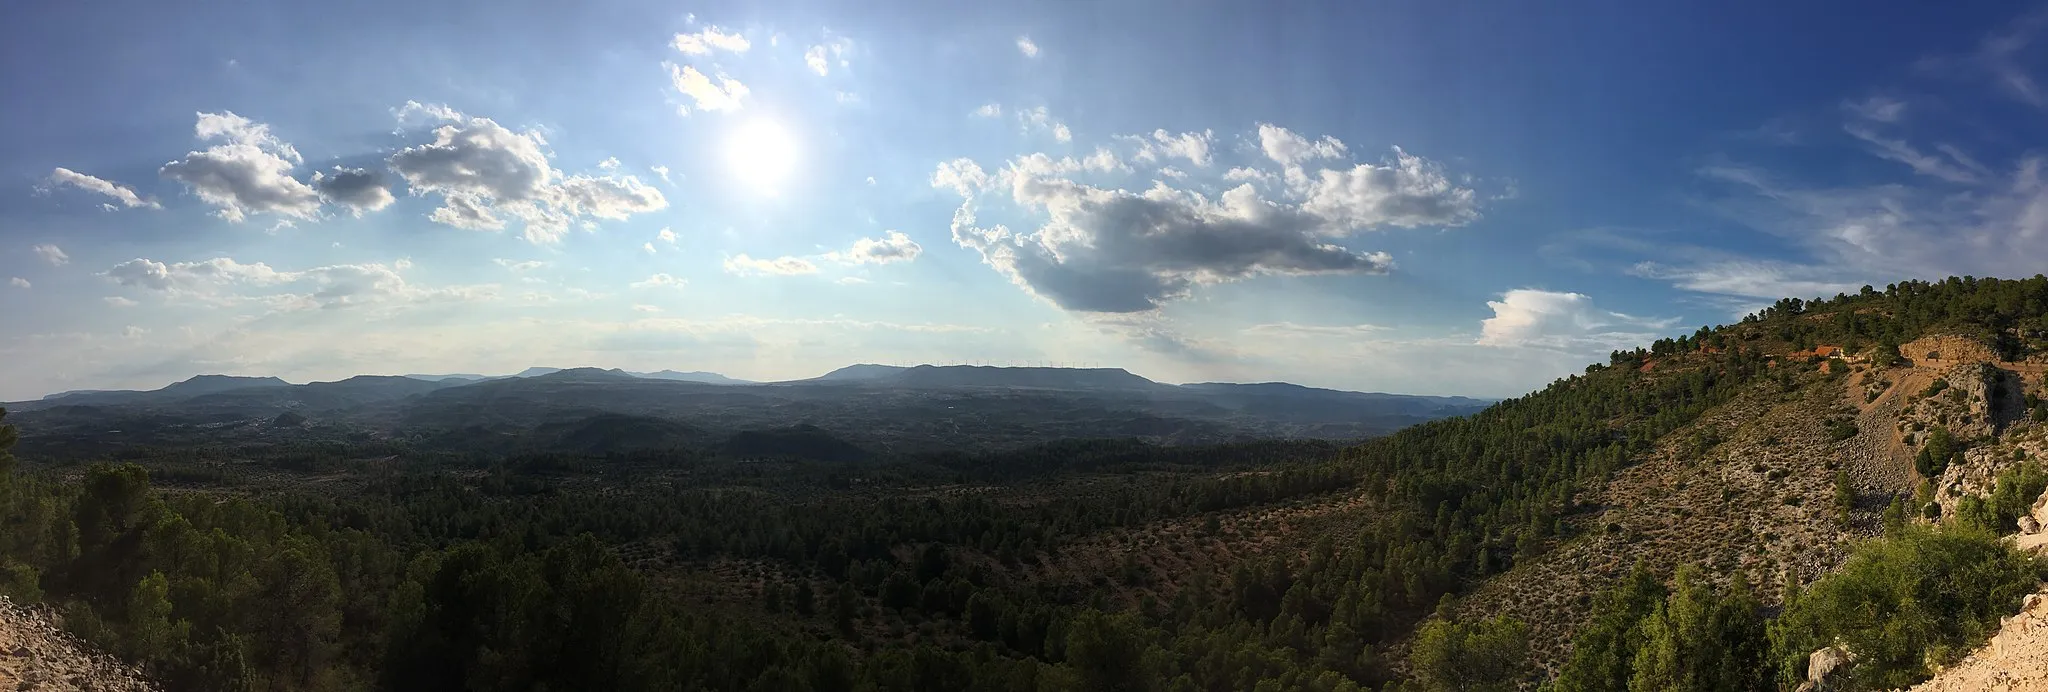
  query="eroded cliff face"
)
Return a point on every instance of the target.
[{"x": 1749, "y": 488}]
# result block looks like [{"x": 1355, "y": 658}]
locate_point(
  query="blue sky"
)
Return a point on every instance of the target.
[{"x": 1394, "y": 196}]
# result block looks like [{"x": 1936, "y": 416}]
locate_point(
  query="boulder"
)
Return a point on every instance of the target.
[
  {"x": 2040, "y": 513},
  {"x": 1827, "y": 668}
]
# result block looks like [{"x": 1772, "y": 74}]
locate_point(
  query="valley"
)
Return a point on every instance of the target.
[{"x": 1713, "y": 509}]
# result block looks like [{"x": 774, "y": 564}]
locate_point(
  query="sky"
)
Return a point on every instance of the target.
[{"x": 1388, "y": 196}]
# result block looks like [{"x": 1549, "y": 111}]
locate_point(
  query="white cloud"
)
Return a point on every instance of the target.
[
  {"x": 18, "y": 282},
  {"x": 849, "y": 281},
  {"x": 154, "y": 275},
  {"x": 1288, "y": 149},
  {"x": 121, "y": 193},
  {"x": 871, "y": 181},
  {"x": 1104, "y": 161},
  {"x": 1243, "y": 174},
  {"x": 989, "y": 110},
  {"x": 611, "y": 163},
  {"x": 647, "y": 248},
  {"x": 666, "y": 236},
  {"x": 815, "y": 59},
  {"x": 1565, "y": 321},
  {"x": 743, "y": 265},
  {"x": 893, "y": 246},
  {"x": 661, "y": 281},
  {"x": 519, "y": 266},
  {"x": 1192, "y": 146},
  {"x": 358, "y": 189},
  {"x": 1751, "y": 279},
  {"x": 1174, "y": 173},
  {"x": 963, "y": 176},
  {"x": 481, "y": 168},
  {"x": 821, "y": 57},
  {"x": 251, "y": 172},
  {"x": 660, "y": 171},
  {"x": 1954, "y": 166},
  {"x": 722, "y": 96},
  {"x": 133, "y": 332},
  {"x": 710, "y": 40},
  {"x": 223, "y": 280},
  {"x": 1407, "y": 191},
  {"x": 1038, "y": 119},
  {"x": 646, "y": 308},
  {"x": 1027, "y": 47},
  {"x": 281, "y": 225},
  {"x": 119, "y": 302},
  {"x": 51, "y": 254}
]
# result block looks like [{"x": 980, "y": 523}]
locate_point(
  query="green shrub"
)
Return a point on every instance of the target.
[{"x": 1926, "y": 596}]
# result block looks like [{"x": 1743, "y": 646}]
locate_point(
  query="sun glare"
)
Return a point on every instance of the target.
[{"x": 761, "y": 155}]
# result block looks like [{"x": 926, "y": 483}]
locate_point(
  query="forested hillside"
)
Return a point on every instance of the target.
[{"x": 1101, "y": 564}]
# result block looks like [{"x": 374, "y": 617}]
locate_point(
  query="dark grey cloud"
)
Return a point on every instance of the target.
[
  {"x": 359, "y": 189},
  {"x": 1115, "y": 251}
]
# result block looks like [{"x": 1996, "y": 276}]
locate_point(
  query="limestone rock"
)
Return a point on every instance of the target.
[{"x": 1826, "y": 668}]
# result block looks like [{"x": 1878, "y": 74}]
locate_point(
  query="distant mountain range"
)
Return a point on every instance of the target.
[{"x": 871, "y": 407}]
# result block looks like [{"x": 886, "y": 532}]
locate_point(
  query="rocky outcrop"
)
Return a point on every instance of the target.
[
  {"x": 35, "y": 654},
  {"x": 2016, "y": 659},
  {"x": 1826, "y": 670}
]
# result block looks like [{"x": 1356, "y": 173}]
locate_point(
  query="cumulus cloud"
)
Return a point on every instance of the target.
[
  {"x": 711, "y": 40},
  {"x": 666, "y": 236},
  {"x": 1104, "y": 161},
  {"x": 249, "y": 172},
  {"x": 18, "y": 282},
  {"x": 989, "y": 110},
  {"x": 661, "y": 281},
  {"x": 607, "y": 197},
  {"x": 1027, "y": 47},
  {"x": 1191, "y": 146},
  {"x": 742, "y": 265},
  {"x": 1559, "y": 320},
  {"x": 359, "y": 190},
  {"x": 121, "y": 193},
  {"x": 725, "y": 95},
  {"x": 893, "y": 246},
  {"x": 1286, "y": 148},
  {"x": 481, "y": 168},
  {"x": 963, "y": 176},
  {"x": 1406, "y": 191},
  {"x": 1116, "y": 251},
  {"x": 1106, "y": 250},
  {"x": 660, "y": 171},
  {"x": 51, "y": 254}
]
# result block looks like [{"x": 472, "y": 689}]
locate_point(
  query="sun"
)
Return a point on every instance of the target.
[{"x": 761, "y": 155}]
